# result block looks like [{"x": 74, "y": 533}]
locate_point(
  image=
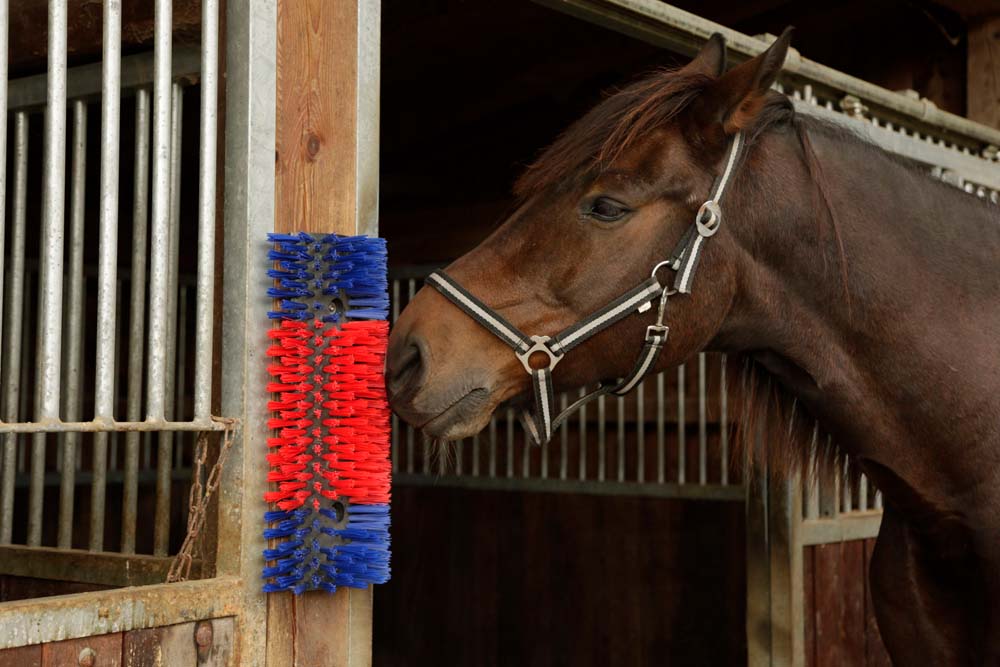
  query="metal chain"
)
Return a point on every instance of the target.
[{"x": 199, "y": 499}]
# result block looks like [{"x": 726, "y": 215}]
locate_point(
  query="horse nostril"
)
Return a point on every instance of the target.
[{"x": 404, "y": 368}]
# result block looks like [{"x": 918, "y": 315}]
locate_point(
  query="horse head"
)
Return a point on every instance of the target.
[{"x": 603, "y": 205}]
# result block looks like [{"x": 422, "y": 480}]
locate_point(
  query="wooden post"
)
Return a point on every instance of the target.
[
  {"x": 775, "y": 589},
  {"x": 983, "y": 74},
  {"x": 326, "y": 180}
]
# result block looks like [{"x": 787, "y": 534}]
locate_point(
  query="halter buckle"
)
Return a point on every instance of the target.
[
  {"x": 541, "y": 345},
  {"x": 654, "y": 331},
  {"x": 708, "y": 227}
]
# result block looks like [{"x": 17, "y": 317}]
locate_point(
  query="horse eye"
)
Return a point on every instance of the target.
[{"x": 607, "y": 210}]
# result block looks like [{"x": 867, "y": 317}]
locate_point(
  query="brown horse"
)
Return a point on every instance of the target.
[{"x": 852, "y": 282}]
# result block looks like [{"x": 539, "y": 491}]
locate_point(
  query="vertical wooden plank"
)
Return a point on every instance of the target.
[
  {"x": 809, "y": 606},
  {"x": 829, "y": 606},
  {"x": 875, "y": 653},
  {"x": 326, "y": 180},
  {"x": 852, "y": 565},
  {"x": 202, "y": 643},
  {"x": 785, "y": 551},
  {"x": 983, "y": 71},
  {"x": 107, "y": 651},
  {"x": 23, "y": 656}
]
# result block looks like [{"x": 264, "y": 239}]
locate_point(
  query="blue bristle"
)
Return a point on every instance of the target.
[{"x": 356, "y": 269}]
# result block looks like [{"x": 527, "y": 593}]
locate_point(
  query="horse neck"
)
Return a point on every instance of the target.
[{"x": 880, "y": 320}]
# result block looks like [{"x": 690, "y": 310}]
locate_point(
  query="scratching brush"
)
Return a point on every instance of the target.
[{"x": 328, "y": 525}]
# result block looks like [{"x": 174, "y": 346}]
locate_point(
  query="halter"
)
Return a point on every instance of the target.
[{"x": 541, "y": 423}]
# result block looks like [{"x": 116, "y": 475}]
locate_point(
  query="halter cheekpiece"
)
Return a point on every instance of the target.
[{"x": 540, "y": 422}]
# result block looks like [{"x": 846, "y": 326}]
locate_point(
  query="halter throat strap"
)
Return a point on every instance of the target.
[{"x": 541, "y": 421}]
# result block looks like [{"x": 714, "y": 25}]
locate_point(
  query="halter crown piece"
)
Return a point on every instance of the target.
[{"x": 541, "y": 422}]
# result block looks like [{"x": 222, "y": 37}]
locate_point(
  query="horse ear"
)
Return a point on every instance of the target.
[
  {"x": 711, "y": 60},
  {"x": 737, "y": 96}
]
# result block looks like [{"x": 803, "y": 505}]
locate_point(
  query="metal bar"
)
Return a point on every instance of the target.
[
  {"x": 207, "y": 167},
  {"x": 119, "y": 291},
  {"x": 475, "y": 455},
  {"x": 620, "y": 412},
  {"x": 425, "y": 444},
  {"x": 811, "y": 477},
  {"x": 640, "y": 424},
  {"x": 526, "y": 460},
  {"x": 863, "y": 494},
  {"x": 510, "y": 442},
  {"x": 702, "y": 421},
  {"x": 165, "y": 442},
  {"x": 85, "y": 81},
  {"x": 160, "y": 237},
  {"x": 12, "y": 333},
  {"x": 459, "y": 446},
  {"x": 493, "y": 447},
  {"x": 583, "y": 437},
  {"x": 180, "y": 386},
  {"x": 77, "y": 565},
  {"x": 49, "y": 357},
  {"x": 4, "y": 39},
  {"x": 601, "y": 452},
  {"x": 107, "y": 280},
  {"x": 563, "y": 438},
  {"x": 137, "y": 317},
  {"x": 723, "y": 422},
  {"x": 74, "y": 326},
  {"x": 661, "y": 428},
  {"x": 732, "y": 492},
  {"x": 147, "y": 426},
  {"x": 681, "y": 427},
  {"x": 30, "y": 349}
]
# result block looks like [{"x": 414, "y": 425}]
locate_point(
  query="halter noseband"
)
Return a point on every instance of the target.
[{"x": 683, "y": 260}]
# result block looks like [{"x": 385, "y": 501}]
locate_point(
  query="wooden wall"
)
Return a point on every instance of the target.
[
  {"x": 840, "y": 620},
  {"x": 500, "y": 578}
]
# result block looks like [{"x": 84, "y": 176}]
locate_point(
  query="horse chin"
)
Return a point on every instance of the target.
[{"x": 461, "y": 418}]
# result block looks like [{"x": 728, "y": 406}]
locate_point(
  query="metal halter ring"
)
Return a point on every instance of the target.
[
  {"x": 708, "y": 227},
  {"x": 539, "y": 346}
]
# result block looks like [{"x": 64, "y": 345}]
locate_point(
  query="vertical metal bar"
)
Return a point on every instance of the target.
[
  {"x": 207, "y": 166},
  {"x": 848, "y": 500},
  {"x": 583, "y": 437},
  {"x": 442, "y": 457},
  {"x": 426, "y": 449},
  {"x": 30, "y": 347},
  {"x": 137, "y": 318},
  {"x": 863, "y": 494},
  {"x": 114, "y": 435},
  {"x": 723, "y": 422},
  {"x": 510, "y": 442},
  {"x": 459, "y": 446},
  {"x": 640, "y": 429},
  {"x": 12, "y": 324},
  {"x": 74, "y": 325},
  {"x": 165, "y": 451},
  {"x": 601, "y": 438},
  {"x": 51, "y": 281},
  {"x": 661, "y": 428},
  {"x": 878, "y": 500},
  {"x": 620, "y": 404},
  {"x": 107, "y": 280},
  {"x": 4, "y": 39},
  {"x": 493, "y": 448},
  {"x": 681, "y": 427},
  {"x": 563, "y": 438},
  {"x": 475, "y": 455},
  {"x": 526, "y": 459},
  {"x": 702, "y": 422},
  {"x": 180, "y": 386},
  {"x": 160, "y": 237}
]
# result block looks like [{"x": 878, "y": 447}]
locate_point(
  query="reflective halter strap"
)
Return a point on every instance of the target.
[{"x": 542, "y": 421}]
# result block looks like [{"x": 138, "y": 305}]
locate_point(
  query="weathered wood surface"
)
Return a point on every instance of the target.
[
  {"x": 839, "y": 617},
  {"x": 25, "y": 656},
  {"x": 983, "y": 73},
  {"x": 201, "y": 644},
  {"x": 317, "y": 189},
  {"x": 103, "y": 650}
]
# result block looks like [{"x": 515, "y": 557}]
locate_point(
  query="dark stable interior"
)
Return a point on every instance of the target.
[{"x": 471, "y": 91}]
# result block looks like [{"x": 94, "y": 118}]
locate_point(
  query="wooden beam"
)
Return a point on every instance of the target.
[
  {"x": 983, "y": 75},
  {"x": 326, "y": 180},
  {"x": 110, "y": 569}
]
